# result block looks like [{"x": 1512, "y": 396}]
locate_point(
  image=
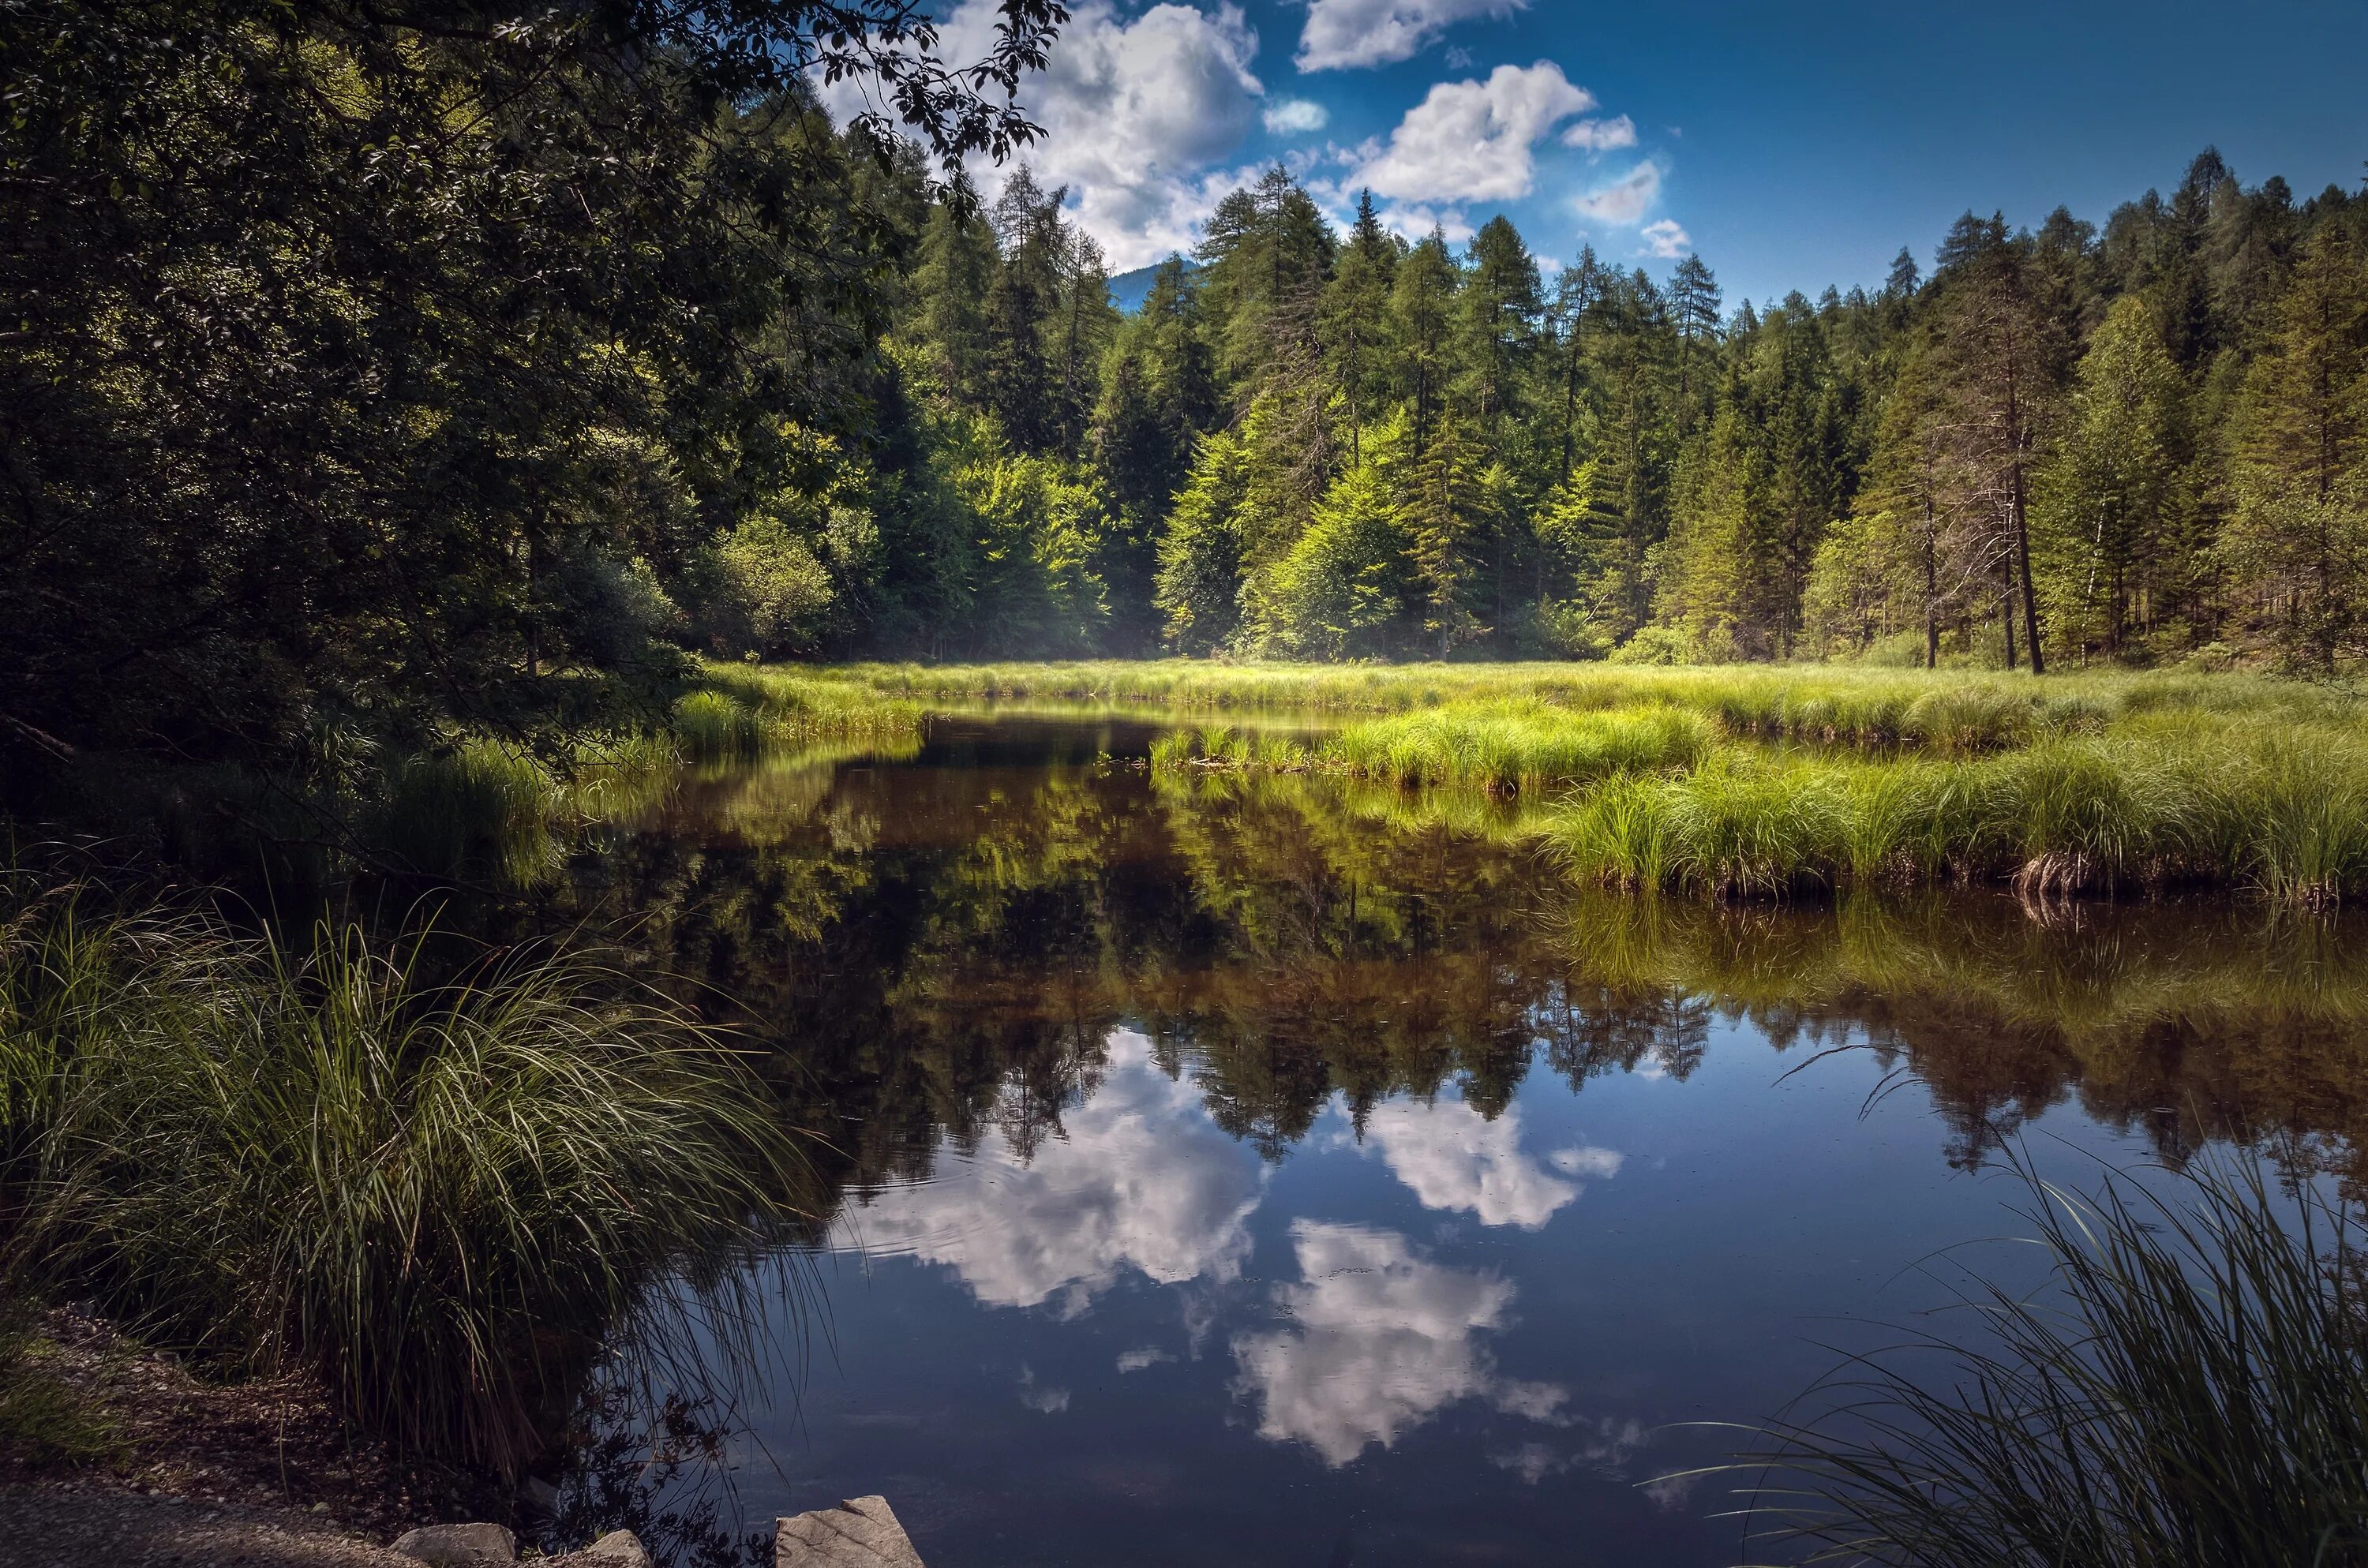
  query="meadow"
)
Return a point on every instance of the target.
[{"x": 1770, "y": 781}]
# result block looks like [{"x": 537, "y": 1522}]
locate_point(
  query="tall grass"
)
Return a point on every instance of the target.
[
  {"x": 443, "y": 1194},
  {"x": 1950, "y": 710},
  {"x": 2214, "y": 805},
  {"x": 2194, "y": 1392},
  {"x": 741, "y": 710},
  {"x": 1505, "y": 750}
]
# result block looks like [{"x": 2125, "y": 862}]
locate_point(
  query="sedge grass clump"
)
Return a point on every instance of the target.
[
  {"x": 444, "y": 1193},
  {"x": 1505, "y": 750},
  {"x": 712, "y": 727},
  {"x": 2193, "y": 1390},
  {"x": 2088, "y": 814},
  {"x": 2290, "y": 817}
]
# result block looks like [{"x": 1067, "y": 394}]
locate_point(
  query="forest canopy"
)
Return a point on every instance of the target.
[{"x": 378, "y": 369}]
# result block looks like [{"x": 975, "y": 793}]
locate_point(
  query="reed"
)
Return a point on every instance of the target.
[
  {"x": 2194, "y": 1390},
  {"x": 741, "y": 710},
  {"x": 445, "y": 1193}
]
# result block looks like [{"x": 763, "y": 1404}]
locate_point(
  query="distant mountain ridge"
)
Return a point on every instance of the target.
[{"x": 1128, "y": 289}]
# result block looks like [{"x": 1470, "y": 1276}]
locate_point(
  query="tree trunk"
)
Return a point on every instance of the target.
[{"x": 2022, "y": 562}]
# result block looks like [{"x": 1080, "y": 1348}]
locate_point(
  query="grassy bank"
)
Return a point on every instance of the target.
[
  {"x": 1948, "y": 708},
  {"x": 444, "y": 1190},
  {"x": 743, "y": 710}
]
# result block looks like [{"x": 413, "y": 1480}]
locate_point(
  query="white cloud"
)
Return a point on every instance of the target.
[
  {"x": 1666, "y": 240},
  {"x": 1296, "y": 117},
  {"x": 1601, "y": 135},
  {"x": 1625, "y": 200},
  {"x": 1458, "y": 1161},
  {"x": 1134, "y": 111},
  {"x": 1143, "y": 1181},
  {"x": 1471, "y": 141},
  {"x": 1137, "y": 1361},
  {"x": 1349, "y": 33},
  {"x": 1381, "y": 1340}
]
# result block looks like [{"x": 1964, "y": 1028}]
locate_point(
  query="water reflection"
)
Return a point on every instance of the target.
[
  {"x": 1457, "y": 1160},
  {"x": 1382, "y": 1339},
  {"x": 1261, "y": 1170},
  {"x": 1140, "y": 1178}
]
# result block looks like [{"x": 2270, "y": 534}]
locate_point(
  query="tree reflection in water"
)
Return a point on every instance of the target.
[{"x": 1060, "y": 1024}]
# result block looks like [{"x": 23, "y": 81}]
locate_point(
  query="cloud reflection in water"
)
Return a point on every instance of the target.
[
  {"x": 1384, "y": 1339},
  {"x": 1454, "y": 1159},
  {"x": 1143, "y": 1180}
]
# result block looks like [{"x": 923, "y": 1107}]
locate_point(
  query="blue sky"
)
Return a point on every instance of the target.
[{"x": 1792, "y": 146}]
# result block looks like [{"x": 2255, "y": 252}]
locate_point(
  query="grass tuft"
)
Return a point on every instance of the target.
[
  {"x": 444, "y": 1193},
  {"x": 2194, "y": 1390}
]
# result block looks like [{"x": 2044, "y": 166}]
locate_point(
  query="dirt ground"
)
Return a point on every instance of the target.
[{"x": 115, "y": 1454}]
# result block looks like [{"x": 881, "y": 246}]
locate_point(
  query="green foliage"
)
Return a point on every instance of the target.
[
  {"x": 442, "y": 1192},
  {"x": 332, "y": 382},
  {"x": 2194, "y": 1389}
]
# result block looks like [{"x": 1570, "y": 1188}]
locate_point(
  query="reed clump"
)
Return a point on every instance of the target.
[
  {"x": 444, "y": 1190},
  {"x": 741, "y": 712},
  {"x": 2194, "y": 1389},
  {"x": 2210, "y": 805}
]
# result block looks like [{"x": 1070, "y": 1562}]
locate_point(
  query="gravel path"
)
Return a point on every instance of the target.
[{"x": 41, "y": 1528}]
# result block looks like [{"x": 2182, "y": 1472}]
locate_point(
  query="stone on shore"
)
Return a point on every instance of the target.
[
  {"x": 459, "y": 1546},
  {"x": 618, "y": 1548},
  {"x": 860, "y": 1533}
]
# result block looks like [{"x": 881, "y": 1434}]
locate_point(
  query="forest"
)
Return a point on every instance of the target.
[
  {"x": 338, "y": 422},
  {"x": 2065, "y": 445}
]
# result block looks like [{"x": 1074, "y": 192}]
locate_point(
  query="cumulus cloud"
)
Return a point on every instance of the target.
[
  {"x": 1383, "y": 1339},
  {"x": 1134, "y": 109},
  {"x": 1666, "y": 240},
  {"x": 1601, "y": 135},
  {"x": 1296, "y": 117},
  {"x": 1625, "y": 200},
  {"x": 1345, "y": 34},
  {"x": 1458, "y": 1161},
  {"x": 1473, "y": 141},
  {"x": 1143, "y": 1181},
  {"x": 1137, "y": 1361}
]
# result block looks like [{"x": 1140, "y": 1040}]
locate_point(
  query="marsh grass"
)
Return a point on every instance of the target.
[
  {"x": 2193, "y": 1390},
  {"x": 1957, "y": 710},
  {"x": 2249, "y": 807},
  {"x": 744, "y": 710},
  {"x": 1773, "y": 781},
  {"x": 445, "y": 1192}
]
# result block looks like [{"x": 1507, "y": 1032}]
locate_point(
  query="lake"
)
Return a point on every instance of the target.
[{"x": 1266, "y": 1171}]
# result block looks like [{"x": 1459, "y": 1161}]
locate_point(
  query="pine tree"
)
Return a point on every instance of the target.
[
  {"x": 2299, "y": 529},
  {"x": 1422, "y": 310},
  {"x": 2109, "y": 500},
  {"x": 1994, "y": 347}
]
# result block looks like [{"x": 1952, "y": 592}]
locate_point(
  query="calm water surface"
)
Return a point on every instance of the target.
[{"x": 1265, "y": 1172}]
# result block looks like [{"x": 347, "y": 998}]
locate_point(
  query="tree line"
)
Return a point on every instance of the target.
[
  {"x": 375, "y": 372},
  {"x": 2066, "y": 445}
]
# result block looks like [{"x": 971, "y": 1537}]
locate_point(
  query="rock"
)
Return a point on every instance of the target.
[
  {"x": 860, "y": 1533},
  {"x": 459, "y": 1546},
  {"x": 618, "y": 1548}
]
